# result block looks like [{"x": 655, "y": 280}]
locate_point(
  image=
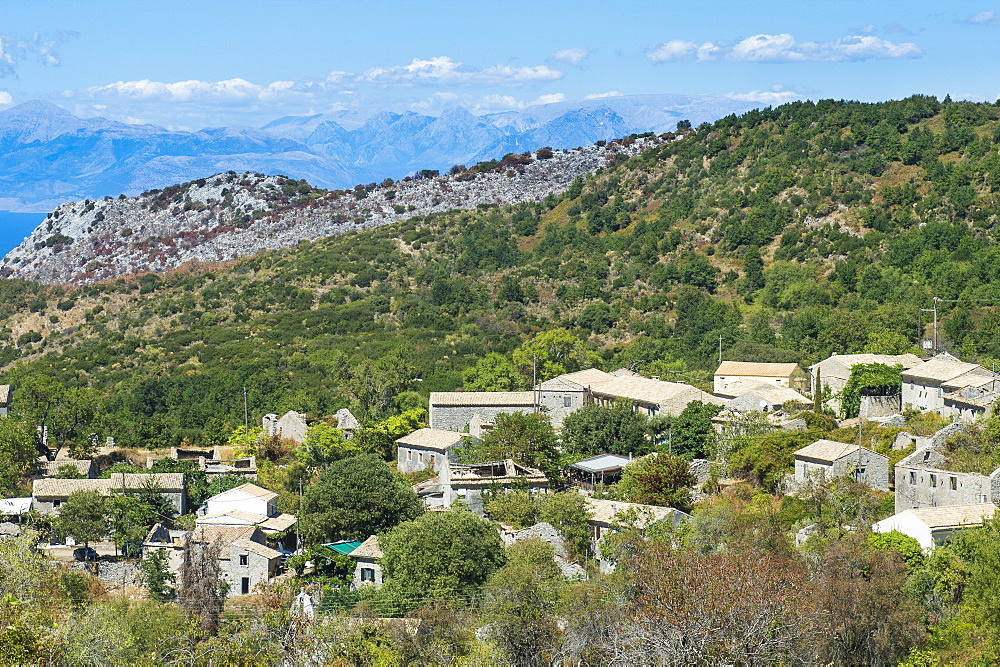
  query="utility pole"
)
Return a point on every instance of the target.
[
  {"x": 534, "y": 381},
  {"x": 936, "y": 299},
  {"x": 246, "y": 411},
  {"x": 932, "y": 310},
  {"x": 720, "y": 348}
]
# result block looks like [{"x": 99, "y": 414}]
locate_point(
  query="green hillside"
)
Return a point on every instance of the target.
[{"x": 788, "y": 234}]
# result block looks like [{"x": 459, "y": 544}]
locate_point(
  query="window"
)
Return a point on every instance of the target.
[
  {"x": 56, "y": 503},
  {"x": 409, "y": 454},
  {"x": 954, "y": 483},
  {"x": 567, "y": 401},
  {"x": 367, "y": 574},
  {"x": 244, "y": 559},
  {"x": 933, "y": 481},
  {"x": 913, "y": 477},
  {"x": 433, "y": 458},
  {"x": 420, "y": 457}
]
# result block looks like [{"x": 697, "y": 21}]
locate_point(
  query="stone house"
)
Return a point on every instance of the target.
[
  {"x": 974, "y": 401},
  {"x": 790, "y": 375},
  {"x": 83, "y": 467},
  {"x": 649, "y": 396},
  {"x": 426, "y": 448},
  {"x": 347, "y": 422},
  {"x": 291, "y": 426},
  {"x": 925, "y": 385},
  {"x": 368, "y": 570},
  {"x": 48, "y": 494},
  {"x": 766, "y": 398},
  {"x": 245, "y": 560},
  {"x": 827, "y": 459},
  {"x": 453, "y": 410},
  {"x": 605, "y": 514},
  {"x": 931, "y": 526},
  {"x": 468, "y": 482},
  {"x": 211, "y": 462},
  {"x": 923, "y": 480},
  {"x": 561, "y": 397},
  {"x": 834, "y": 371},
  {"x": 4, "y": 399}
]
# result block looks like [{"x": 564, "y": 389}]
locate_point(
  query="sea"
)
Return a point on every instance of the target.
[{"x": 15, "y": 227}]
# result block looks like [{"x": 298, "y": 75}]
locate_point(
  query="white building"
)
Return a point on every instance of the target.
[{"x": 930, "y": 526}]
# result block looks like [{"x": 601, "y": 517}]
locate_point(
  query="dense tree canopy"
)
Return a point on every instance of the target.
[
  {"x": 440, "y": 552},
  {"x": 355, "y": 498}
]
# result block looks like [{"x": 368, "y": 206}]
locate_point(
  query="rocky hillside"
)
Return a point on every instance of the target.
[{"x": 234, "y": 215}]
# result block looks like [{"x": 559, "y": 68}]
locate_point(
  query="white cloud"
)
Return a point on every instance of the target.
[
  {"x": 442, "y": 70},
  {"x": 673, "y": 50},
  {"x": 490, "y": 103},
  {"x": 43, "y": 47},
  {"x": 771, "y": 97},
  {"x": 783, "y": 48},
  {"x": 185, "y": 91},
  {"x": 866, "y": 29},
  {"x": 572, "y": 56},
  {"x": 598, "y": 96},
  {"x": 988, "y": 17},
  {"x": 5, "y": 98}
]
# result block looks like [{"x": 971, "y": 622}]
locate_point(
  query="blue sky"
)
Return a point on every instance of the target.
[{"x": 217, "y": 62}]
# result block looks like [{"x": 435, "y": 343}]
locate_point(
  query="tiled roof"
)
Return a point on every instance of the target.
[
  {"x": 253, "y": 490},
  {"x": 605, "y": 511},
  {"x": 257, "y": 548},
  {"x": 61, "y": 488},
  {"x": 672, "y": 397},
  {"x": 952, "y": 517},
  {"x": 750, "y": 368},
  {"x": 590, "y": 377},
  {"x": 368, "y": 549},
  {"x": 942, "y": 370},
  {"x": 227, "y": 534},
  {"x": 51, "y": 468},
  {"x": 278, "y": 523},
  {"x": 431, "y": 438},
  {"x": 839, "y": 365},
  {"x": 168, "y": 481},
  {"x": 522, "y": 398},
  {"x": 774, "y": 395},
  {"x": 229, "y": 518},
  {"x": 827, "y": 450}
]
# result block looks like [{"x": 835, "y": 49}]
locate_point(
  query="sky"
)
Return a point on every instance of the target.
[{"x": 189, "y": 65}]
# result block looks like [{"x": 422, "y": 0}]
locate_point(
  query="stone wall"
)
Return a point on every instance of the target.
[
  {"x": 921, "y": 481},
  {"x": 873, "y": 407},
  {"x": 457, "y": 417}
]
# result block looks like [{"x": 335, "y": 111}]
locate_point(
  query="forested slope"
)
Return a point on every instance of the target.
[{"x": 789, "y": 234}]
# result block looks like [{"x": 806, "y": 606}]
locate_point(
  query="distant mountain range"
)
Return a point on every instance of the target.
[{"x": 49, "y": 156}]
